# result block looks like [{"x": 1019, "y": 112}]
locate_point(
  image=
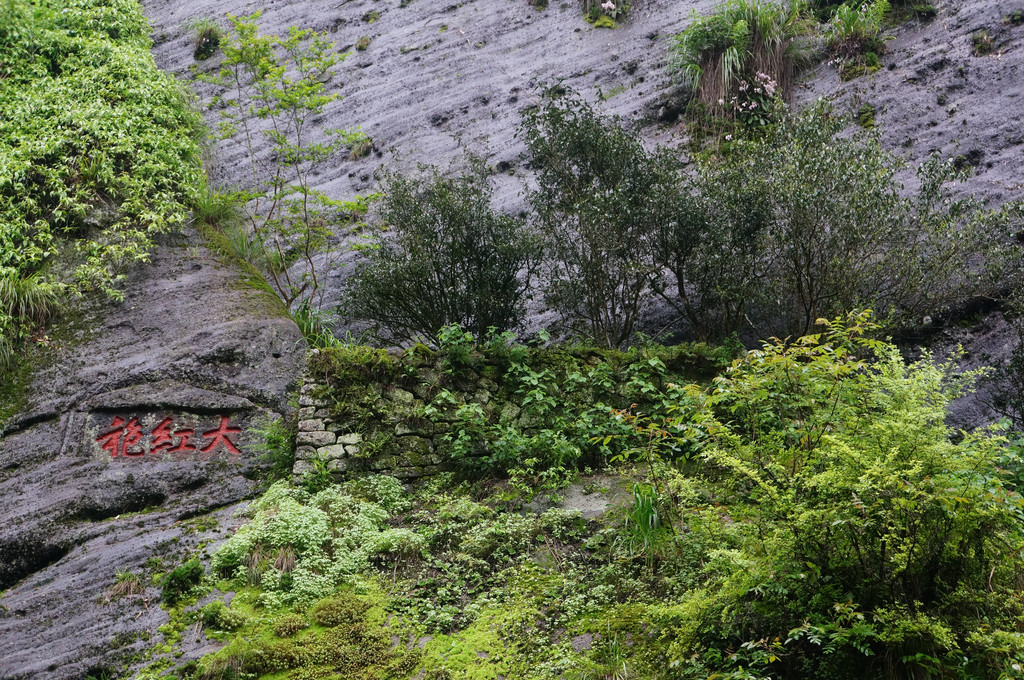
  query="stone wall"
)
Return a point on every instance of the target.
[
  {"x": 403, "y": 445},
  {"x": 363, "y": 410}
]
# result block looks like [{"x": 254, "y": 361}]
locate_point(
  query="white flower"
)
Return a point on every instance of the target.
[
  {"x": 608, "y": 6},
  {"x": 721, "y": 102},
  {"x": 728, "y": 138}
]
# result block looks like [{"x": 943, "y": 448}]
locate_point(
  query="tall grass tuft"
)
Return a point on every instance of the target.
[
  {"x": 739, "y": 40},
  {"x": 25, "y": 301}
]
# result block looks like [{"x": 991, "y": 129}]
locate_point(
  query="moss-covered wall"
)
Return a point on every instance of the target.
[{"x": 415, "y": 413}]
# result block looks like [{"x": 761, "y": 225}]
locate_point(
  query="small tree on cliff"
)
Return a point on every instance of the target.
[{"x": 450, "y": 259}]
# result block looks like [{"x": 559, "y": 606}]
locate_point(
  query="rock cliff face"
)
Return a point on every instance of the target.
[
  {"x": 90, "y": 479},
  {"x": 143, "y": 420}
]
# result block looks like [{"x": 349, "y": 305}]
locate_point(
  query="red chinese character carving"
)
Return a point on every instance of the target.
[
  {"x": 121, "y": 437},
  {"x": 163, "y": 438},
  {"x": 221, "y": 435}
]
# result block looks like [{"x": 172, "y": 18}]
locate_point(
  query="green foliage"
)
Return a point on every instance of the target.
[
  {"x": 806, "y": 515},
  {"x": 275, "y": 86},
  {"x": 206, "y": 35},
  {"x": 866, "y": 116},
  {"x": 604, "y": 13},
  {"x": 858, "y": 528},
  {"x": 740, "y": 39},
  {"x": 290, "y": 625},
  {"x": 126, "y": 584},
  {"x": 827, "y": 230},
  {"x": 300, "y": 546},
  {"x": 341, "y": 609},
  {"x": 217, "y": 616},
  {"x": 644, "y": 527},
  {"x": 274, "y": 443},
  {"x": 981, "y": 43},
  {"x": 177, "y": 583},
  {"x": 98, "y": 153},
  {"x": 600, "y": 196},
  {"x": 450, "y": 259},
  {"x": 315, "y": 326}
]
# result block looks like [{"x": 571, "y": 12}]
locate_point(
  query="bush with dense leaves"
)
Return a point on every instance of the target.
[
  {"x": 180, "y": 580},
  {"x": 600, "y": 198},
  {"x": 98, "y": 152},
  {"x": 847, "y": 535},
  {"x": 808, "y": 223},
  {"x": 449, "y": 259}
]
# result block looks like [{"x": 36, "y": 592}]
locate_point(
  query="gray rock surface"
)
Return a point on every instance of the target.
[
  {"x": 188, "y": 344},
  {"x": 438, "y": 79}
]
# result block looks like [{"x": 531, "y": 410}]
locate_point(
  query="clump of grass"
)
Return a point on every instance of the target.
[
  {"x": 363, "y": 43},
  {"x": 126, "y": 585},
  {"x": 216, "y": 209},
  {"x": 361, "y": 149},
  {"x": 854, "y": 30},
  {"x": 26, "y": 302},
  {"x": 206, "y": 37},
  {"x": 982, "y": 43},
  {"x": 740, "y": 39}
]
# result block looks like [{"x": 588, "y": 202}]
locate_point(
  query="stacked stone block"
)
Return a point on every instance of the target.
[{"x": 406, "y": 450}]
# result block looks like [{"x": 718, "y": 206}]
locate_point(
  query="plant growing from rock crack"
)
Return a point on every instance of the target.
[
  {"x": 852, "y": 37},
  {"x": 206, "y": 35},
  {"x": 276, "y": 86}
]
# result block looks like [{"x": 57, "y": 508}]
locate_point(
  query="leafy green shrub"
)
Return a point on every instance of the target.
[
  {"x": 451, "y": 259},
  {"x": 218, "y": 616},
  {"x": 859, "y": 529},
  {"x": 826, "y": 230},
  {"x": 844, "y": 523},
  {"x": 98, "y": 153},
  {"x": 599, "y": 201},
  {"x": 719, "y": 52},
  {"x": 341, "y": 609},
  {"x": 180, "y": 580},
  {"x": 289, "y": 625}
]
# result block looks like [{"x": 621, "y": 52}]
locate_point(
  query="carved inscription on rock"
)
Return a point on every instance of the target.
[{"x": 164, "y": 436}]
